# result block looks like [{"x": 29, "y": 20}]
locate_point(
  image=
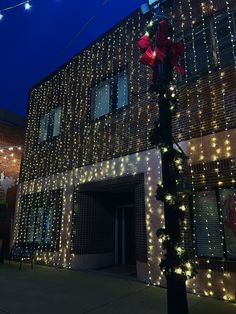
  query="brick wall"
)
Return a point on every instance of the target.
[
  {"x": 203, "y": 111},
  {"x": 126, "y": 130}
]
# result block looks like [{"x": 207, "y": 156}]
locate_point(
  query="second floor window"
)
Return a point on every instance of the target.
[
  {"x": 226, "y": 36},
  {"x": 109, "y": 95},
  {"x": 211, "y": 44},
  {"x": 50, "y": 125},
  {"x": 101, "y": 100}
]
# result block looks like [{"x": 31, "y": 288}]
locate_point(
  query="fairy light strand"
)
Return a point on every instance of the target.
[
  {"x": 105, "y": 164},
  {"x": 25, "y": 4}
]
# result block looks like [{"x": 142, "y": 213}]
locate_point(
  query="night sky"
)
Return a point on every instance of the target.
[{"x": 36, "y": 42}]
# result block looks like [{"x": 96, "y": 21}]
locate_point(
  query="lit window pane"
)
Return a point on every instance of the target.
[
  {"x": 101, "y": 100},
  {"x": 43, "y": 130},
  {"x": 48, "y": 225},
  {"x": 122, "y": 99},
  {"x": 190, "y": 70},
  {"x": 56, "y": 121},
  {"x": 224, "y": 40},
  {"x": 31, "y": 223},
  {"x": 39, "y": 226},
  {"x": 200, "y": 37}
]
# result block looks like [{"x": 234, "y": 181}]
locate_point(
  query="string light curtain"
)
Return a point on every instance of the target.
[{"x": 85, "y": 151}]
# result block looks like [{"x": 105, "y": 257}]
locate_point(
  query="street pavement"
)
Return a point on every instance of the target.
[{"x": 45, "y": 290}]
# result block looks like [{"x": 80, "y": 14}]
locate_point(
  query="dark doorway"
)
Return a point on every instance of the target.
[
  {"x": 125, "y": 235},
  {"x": 109, "y": 224}
]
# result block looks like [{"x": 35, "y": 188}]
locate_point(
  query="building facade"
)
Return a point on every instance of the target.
[
  {"x": 12, "y": 132},
  {"x": 89, "y": 173}
]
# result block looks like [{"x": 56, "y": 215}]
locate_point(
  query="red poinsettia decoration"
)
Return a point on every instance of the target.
[{"x": 162, "y": 48}]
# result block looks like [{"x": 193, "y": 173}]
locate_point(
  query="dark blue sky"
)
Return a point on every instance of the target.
[{"x": 35, "y": 43}]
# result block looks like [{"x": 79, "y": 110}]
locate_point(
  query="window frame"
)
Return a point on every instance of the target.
[
  {"x": 216, "y": 190},
  {"x": 50, "y": 125},
  {"x": 219, "y": 52},
  {"x": 94, "y": 90},
  {"x": 222, "y": 221},
  {"x": 214, "y": 53},
  {"x": 32, "y": 228},
  {"x": 113, "y": 103},
  {"x": 32, "y": 203}
]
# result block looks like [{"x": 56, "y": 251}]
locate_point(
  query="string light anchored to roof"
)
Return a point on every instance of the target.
[{"x": 26, "y": 4}]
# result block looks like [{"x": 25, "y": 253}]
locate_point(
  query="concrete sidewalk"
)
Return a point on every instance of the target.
[{"x": 46, "y": 290}]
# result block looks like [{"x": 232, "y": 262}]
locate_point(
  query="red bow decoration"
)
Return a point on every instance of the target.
[{"x": 164, "y": 46}]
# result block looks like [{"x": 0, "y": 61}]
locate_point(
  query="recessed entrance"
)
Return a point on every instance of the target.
[
  {"x": 125, "y": 235},
  {"x": 109, "y": 230}
]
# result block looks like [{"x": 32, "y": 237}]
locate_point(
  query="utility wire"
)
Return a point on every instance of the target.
[
  {"x": 82, "y": 29},
  {"x": 14, "y": 6}
]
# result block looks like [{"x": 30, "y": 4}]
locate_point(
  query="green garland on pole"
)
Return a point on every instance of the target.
[{"x": 180, "y": 263}]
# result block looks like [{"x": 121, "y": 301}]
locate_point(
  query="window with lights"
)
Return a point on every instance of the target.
[
  {"x": 215, "y": 223},
  {"x": 209, "y": 46},
  {"x": 109, "y": 95},
  {"x": 40, "y": 226},
  {"x": 50, "y": 125},
  {"x": 42, "y": 219},
  {"x": 224, "y": 37}
]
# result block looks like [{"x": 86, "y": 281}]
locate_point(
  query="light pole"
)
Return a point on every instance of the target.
[{"x": 162, "y": 55}]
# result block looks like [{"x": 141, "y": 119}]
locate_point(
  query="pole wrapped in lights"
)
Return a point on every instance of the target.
[
  {"x": 162, "y": 54},
  {"x": 86, "y": 65}
]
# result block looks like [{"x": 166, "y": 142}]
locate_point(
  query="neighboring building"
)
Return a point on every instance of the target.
[
  {"x": 12, "y": 136},
  {"x": 89, "y": 173}
]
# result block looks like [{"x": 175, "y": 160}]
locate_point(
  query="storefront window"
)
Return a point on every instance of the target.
[
  {"x": 228, "y": 205},
  {"x": 207, "y": 225},
  {"x": 40, "y": 226},
  {"x": 48, "y": 219}
]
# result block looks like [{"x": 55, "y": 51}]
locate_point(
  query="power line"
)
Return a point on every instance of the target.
[
  {"x": 14, "y": 6},
  {"x": 26, "y": 4},
  {"x": 82, "y": 29}
]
